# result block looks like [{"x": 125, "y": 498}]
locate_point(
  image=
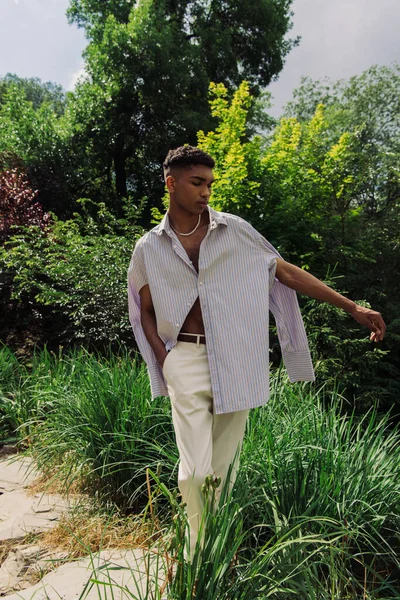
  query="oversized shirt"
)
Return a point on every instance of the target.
[{"x": 237, "y": 287}]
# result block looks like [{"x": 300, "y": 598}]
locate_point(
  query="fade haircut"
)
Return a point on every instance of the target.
[{"x": 186, "y": 157}]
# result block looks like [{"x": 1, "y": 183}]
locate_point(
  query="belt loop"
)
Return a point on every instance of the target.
[{"x": 198, "y": 342}]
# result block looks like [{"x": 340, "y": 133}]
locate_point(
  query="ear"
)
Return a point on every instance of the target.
[{"x": 170, "y": 183}]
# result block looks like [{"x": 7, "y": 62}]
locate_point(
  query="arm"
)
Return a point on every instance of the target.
[
  {"x": 149, "y": 324},
  {"x": 307, "y": 284}
]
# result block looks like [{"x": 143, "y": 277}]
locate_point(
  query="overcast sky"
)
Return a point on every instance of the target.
[{"x": 340, "y": 38}]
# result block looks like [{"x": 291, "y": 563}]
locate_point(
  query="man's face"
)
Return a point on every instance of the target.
[{"x": 190, "y": 188}]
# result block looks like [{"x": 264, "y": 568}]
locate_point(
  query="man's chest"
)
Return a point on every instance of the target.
[{"x": 192, "y": 246}]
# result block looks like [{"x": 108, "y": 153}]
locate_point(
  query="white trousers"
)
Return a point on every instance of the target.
[{"x": 207, "y": 443}]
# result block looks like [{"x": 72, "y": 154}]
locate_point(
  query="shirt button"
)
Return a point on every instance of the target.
[
  {"x": 201, "y": 282},
  {"x": 177, "y": 324}
]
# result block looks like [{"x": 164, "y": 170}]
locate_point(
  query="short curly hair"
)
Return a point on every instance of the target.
[{"x": 186, "y": 156}]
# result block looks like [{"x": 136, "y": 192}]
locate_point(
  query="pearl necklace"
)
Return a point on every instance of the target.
[{"x": 190, "y": 233}]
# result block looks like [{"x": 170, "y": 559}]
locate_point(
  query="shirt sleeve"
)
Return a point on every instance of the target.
[
  {"x": 137, "y": 269},
  {"x": 268, "y": 250},
  {"x": 137, "y": 278},
  {"x": 284, "y": 305}
]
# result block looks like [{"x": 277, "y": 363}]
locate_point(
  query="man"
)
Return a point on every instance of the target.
[{"x": 200, "y": 287}]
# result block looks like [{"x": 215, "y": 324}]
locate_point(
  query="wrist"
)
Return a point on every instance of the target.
[
  {"x": 350, "y": 306},
  {"x": 162, "y": 358}
]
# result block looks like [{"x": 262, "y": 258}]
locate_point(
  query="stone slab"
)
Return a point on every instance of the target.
[
  {"x": 16, "y": 472},
  {"x": 13, "y": 504},
  {"x": 21, "y": 514},
  {"x": 22, "y": 562},
  {"x": 130, "y": 569}
]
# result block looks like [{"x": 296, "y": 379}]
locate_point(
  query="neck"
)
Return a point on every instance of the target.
[{"x": 186, "y": 223}]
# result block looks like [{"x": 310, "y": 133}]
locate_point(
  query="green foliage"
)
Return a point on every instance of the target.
[
  {"x": 236, "y": 160},
  {"x": 344, "y": 358},
  {"x": 75, "y": 274},
  {"x": 25, "y": 130},
  {"x": 36, "y": 91},
  {"x": 230, "y": 40},
  {"x": 36, "y": 138}
]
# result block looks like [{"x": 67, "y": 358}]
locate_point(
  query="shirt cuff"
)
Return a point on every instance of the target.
[
  {"x": 299, "y": 366},
  {"x": 158, "y": 384}
]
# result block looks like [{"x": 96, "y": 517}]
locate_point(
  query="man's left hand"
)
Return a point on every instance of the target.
[{"x": 371, "y": 319}]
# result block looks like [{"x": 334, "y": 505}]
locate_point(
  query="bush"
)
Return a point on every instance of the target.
[
  {"x": 17, "y": 204},
  {"x": 73, "y": 276}
]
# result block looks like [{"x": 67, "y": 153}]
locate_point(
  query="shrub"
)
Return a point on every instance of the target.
[
  {"x": 17, "y": 204},
  {"x": 73, "y": 277}
]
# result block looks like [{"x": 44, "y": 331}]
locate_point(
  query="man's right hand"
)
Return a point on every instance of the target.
[
  {"x": 163, "y": 360},
  {"x": 149, "y": 324}
]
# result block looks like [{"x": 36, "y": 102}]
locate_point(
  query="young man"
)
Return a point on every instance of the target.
[{"x": 200, "y": 287}]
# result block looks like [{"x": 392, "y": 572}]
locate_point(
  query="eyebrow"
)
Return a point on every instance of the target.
[{"x": 201, "y": 178}]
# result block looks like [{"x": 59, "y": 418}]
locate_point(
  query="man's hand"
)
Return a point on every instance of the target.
[{"x": 371, "y": 319}]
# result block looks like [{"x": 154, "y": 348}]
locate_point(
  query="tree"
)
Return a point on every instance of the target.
[
  {"x": 238, "y": 161},
  {"x": 36, "y": 91},
  {"x": 368, "y": 105},
  {"x": 38, "y": 140},
  {"x": 149, "y": 65}
]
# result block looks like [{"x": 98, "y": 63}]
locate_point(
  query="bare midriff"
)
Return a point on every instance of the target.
[{"x": 194, "y": 319}]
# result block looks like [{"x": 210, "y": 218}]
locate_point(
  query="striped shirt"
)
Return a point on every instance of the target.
[{"x": 237, "y": 288}]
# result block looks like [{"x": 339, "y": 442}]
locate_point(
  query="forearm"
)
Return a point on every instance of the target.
[
  {"x": 149, "y": 324},
  {"x": 307, "y": 284}
]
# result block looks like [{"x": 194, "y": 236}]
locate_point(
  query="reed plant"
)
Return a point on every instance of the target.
[
  {"x": 18, "y": 405},
  {"x": 88, "y": 421},
  {"x": 102, "y": 427}
]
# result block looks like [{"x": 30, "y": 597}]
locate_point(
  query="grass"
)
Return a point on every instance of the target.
[
  {"x": 90, "y": 528},
  {"x": 90, "y": 422},
  {"x": 315, "y": 512}
]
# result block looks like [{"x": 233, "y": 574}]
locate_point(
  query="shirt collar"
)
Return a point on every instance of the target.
[{"x": 216, "y": 218}]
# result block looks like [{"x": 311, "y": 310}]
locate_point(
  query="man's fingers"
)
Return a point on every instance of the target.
[
  {"x": 378, "y": 333},
  {"x": 378, "y": 327}
]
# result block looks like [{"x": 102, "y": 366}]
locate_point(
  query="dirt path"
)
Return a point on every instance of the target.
[{"x": 132, "y": 573}]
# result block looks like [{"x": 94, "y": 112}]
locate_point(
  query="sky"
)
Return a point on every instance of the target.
[{"x": 340, "y": 38}]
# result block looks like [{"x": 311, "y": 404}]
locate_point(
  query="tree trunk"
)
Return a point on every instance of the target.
[{"x": 119, "y": 167}]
